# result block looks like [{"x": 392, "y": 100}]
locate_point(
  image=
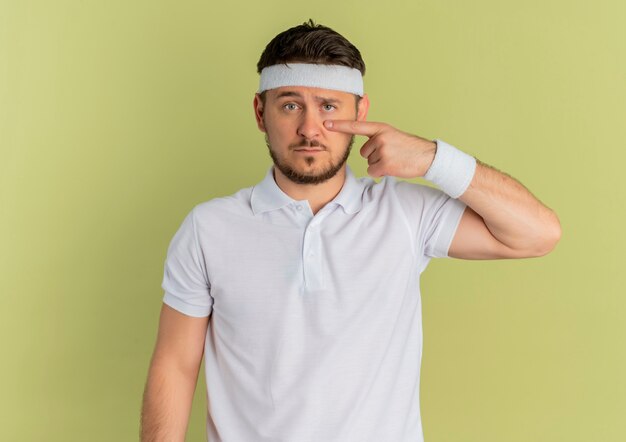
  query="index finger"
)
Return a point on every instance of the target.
[{"x": 367, "y": 128}]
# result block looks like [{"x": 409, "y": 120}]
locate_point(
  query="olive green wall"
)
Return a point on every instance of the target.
[{"x": 117, "y": 117}]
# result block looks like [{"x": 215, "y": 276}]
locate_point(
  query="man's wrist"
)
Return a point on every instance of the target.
[
  {"x": 451, "y": 170},
  {"x": 430, "y": 153}
]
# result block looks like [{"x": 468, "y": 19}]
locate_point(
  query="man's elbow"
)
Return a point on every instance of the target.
[{"x": 550, "y": 239}]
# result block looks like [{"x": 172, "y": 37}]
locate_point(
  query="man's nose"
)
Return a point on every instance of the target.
[{"x": 310, "y": 125}]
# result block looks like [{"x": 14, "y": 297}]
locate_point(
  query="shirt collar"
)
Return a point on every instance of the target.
[{"x": 268, "y": 196}]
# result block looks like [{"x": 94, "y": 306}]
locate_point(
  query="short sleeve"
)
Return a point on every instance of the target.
[
  {"x": 442, "y": 215},
  {"x": 434, "y": 217},
  {"x": 185, "y": 280}
]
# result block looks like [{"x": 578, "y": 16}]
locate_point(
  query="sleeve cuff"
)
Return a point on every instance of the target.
[
  {"x": 449, "y": 226},
  {"x": 189, "y": 310}
]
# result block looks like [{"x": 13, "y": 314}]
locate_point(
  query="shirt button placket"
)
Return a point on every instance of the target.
[{"x": 313, "y": 258}]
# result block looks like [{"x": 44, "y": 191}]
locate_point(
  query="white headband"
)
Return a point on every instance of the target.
[{"x": 335, "y": 77}]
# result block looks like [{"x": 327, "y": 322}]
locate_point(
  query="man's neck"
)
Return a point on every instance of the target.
[{"x": 318, "y": 195}]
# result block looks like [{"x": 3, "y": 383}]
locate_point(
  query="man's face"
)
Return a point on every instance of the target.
[{"x": 299, "y": 144}]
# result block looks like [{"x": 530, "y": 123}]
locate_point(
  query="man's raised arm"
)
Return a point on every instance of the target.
[{"x": 502, "y": 220}]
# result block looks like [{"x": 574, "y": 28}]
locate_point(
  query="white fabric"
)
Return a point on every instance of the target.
[
  {"x": 452, "y": 170},
  {"x": 315, "y": 331},
  {"x": 335, "y": 77}
]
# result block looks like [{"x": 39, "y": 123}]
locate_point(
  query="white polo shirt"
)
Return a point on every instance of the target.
[{"x": 315, "y": 332}]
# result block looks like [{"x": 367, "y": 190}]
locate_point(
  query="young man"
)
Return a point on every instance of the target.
[{"x": 302, "y": 292}]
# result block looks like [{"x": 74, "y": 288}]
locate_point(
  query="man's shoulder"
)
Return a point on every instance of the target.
[
  {"x": 410, "y": 187},
  {"x": 412, "y": 198},
  {"x": 237, "y": 203},
  {"x": 401, "y": 188}
]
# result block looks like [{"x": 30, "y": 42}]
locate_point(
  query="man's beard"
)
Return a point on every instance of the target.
[{"x": 299, "y": 178}]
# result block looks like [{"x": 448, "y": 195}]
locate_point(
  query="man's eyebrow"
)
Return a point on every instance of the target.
[{"x": 317, "y": 97}]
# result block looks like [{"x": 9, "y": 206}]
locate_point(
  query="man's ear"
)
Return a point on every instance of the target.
[
  {"x": 363, "y": 107},
  {"x": 258, "y": 112}
]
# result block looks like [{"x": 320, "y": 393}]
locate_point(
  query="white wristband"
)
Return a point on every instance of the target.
[{"x": 452, "y": 170}]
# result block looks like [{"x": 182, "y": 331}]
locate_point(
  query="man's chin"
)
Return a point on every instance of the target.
[{"x": 308, "y": 176}]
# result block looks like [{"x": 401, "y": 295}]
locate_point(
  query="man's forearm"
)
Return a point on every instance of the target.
[
  {"x": 167, "y": 404},
  {"x": 512, "y": 214}
]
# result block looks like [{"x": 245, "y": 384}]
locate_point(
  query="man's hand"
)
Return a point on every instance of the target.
[{"x": 389, "y": 151}]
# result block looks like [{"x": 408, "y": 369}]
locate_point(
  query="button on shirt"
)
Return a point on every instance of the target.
[{"x": 315, "y": 329}]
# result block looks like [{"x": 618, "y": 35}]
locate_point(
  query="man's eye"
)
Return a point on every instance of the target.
[
  {"x": 332, "y": 106},
  {"x": 286, "y": 106}
]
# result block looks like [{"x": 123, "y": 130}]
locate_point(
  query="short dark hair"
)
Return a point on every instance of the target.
[{"x": 310, "y": 43}]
